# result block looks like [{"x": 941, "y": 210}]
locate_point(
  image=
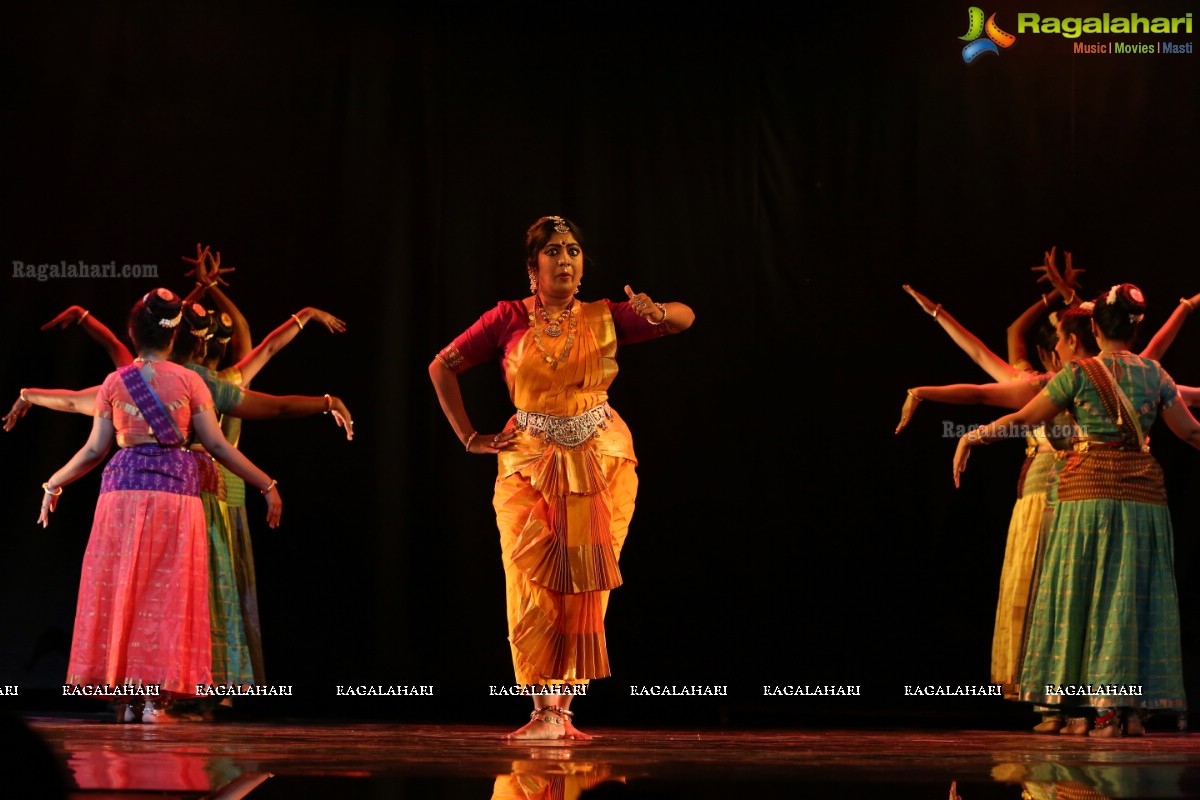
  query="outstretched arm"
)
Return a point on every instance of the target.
[
  {"x": 277, "y": 339},
  {"x": 1190, "y": 395},
  {"x": 76, "y": 401},
  {"x": 1039, "y": 410},
  {"x": 675, "y": 317},
  {"x": 992, "y": 364},
  {"x": 1010, "y": 394},
  {"x": 208, "y": 431},
  {"x": 257, "y": 405},
  {"x": 116, "y": 349},
  {"x": 1170, "y": 329}
]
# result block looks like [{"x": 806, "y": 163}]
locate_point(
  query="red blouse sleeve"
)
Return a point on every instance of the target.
[
  {"x": 104, "y": 397},
  {"x": 631, "y": 326},
  {"x": 485, "y": 340}
]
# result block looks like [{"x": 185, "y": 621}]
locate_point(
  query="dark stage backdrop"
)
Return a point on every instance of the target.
[{"x": 782, "y": 175}]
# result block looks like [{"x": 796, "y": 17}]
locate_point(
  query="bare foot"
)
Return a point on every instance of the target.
[
  {"x": 571, "y": 732},
  {"x": 536, "y": 729},
  {"x": 1076, "y": 726},
  {"x": 156, "y": 714}
]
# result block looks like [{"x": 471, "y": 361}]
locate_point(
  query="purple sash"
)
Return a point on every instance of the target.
[{"x": 164, "y": 467}]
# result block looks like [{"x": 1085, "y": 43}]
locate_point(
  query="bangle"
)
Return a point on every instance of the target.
[
  {"x": 936, "y": 309},
  {"x": 1187, "y": 303},
  {"x": 298, "y": 322},
  {"x": 47, "y": 490},
  {"x": 470, "y": 439},
  {"x": 82, "y": 317},
  {"x": 1068, "y": 301},
  {"x": 914, "y": 396},
  {"x": 663, "y": 309},
  {"x": 21, "y": 396},
  {"x": 270, "y": 487},
  {"x": 328, "y": 404},
  {"x": 1046, "y": 304}
]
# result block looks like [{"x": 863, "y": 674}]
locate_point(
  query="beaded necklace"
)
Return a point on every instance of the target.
[
  {"x": 570, "y": 315},
  {"x": 553, "y": 326}
]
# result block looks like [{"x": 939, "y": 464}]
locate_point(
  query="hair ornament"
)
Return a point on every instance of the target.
[
  {"x": 166, "y": 296},
  {"x": 1088, "y": 306},
  {"x": 1112, "y": 294},
  {"x": 200, "y": 313},
  {"x": 560, "y": 224},
  {"x": 1054, "y": 318},
  {"x": 1136, "y": 295}
]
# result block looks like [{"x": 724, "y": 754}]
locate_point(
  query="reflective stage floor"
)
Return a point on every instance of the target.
[{"x": 296, "y": 759}]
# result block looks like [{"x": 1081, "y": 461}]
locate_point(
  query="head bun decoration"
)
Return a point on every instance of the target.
[
  {"x": 1119, "y": 311},
  {"x": 198, "y": 320},
  {"x": 222, "y": 328},
  {"x": 1130, "y": 298},
  {"x": 164, "y": 306}
]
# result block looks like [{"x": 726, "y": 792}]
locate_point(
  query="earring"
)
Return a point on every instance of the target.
[
  {"x": 532, "y": 283},
  {"x": 577, "y": 287}
]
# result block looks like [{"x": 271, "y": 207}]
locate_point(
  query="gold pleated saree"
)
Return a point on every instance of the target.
[{"x": 564, "y": 497}]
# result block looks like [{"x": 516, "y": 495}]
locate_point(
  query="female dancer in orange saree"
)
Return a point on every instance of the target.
[{"x": 566, "y": 482}]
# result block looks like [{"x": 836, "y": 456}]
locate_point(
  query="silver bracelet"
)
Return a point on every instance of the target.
[
  {"x": 663, "y": 309},
  {"x": 470, "y": 439}
]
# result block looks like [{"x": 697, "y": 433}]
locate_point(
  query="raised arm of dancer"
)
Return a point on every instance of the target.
[
  {"x": 208, "y": 431},
  {"x": 1018, "y": 353},
  {"x": 116, "y": 349},
  {"x": 256, "y": 405},
  {"x": 1158, "y": 345},
  {"x": 277, "y": 339},
  {"x": 76, "y": 401},
  {"x": 1009, "y": 394},
  {"x": 1066, "y": 283},
  {"x": 992, "y": 364},
  {"x": 208, "y": 275},
  {"x": 449, "y": 393},
  {"x": 1065, "y": 288}
]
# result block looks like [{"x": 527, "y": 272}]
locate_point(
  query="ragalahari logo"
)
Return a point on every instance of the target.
[{"x": 976, "y": 27}]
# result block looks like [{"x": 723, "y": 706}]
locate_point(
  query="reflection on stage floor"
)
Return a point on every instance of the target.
[{"x": 322, "y": 759}]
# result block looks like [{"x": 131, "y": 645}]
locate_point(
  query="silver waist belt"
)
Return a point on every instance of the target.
[{"x": 564, "y": 431}]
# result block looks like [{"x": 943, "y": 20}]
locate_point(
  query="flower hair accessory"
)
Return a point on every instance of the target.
[
  {"x": 1054, "y": 318},
  {"x": 1136, "y": 295},
  {"x": 1112, "y": 294},
  {"x": 560, "y": 224},
  {"x": 1087, "y": 306}
]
